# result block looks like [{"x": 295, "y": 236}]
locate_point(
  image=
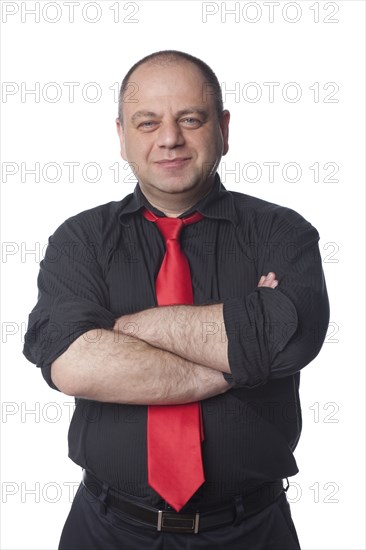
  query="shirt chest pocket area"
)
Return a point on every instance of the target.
[
  {"x": 223, "y": 270},
  {"x": 129, "y": 280}
]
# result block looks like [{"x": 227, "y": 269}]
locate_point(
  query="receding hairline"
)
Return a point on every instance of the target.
[
  {"x": 164, "y": 61},
  {"x": 173, "y": 57}
]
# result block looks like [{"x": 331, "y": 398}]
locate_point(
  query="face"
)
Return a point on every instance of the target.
[{"x": 172, "y": 135}]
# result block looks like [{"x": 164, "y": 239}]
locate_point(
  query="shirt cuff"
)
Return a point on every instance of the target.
[
  {"x": 48, "y": 337},
  {"x": 258, "y": 327}
]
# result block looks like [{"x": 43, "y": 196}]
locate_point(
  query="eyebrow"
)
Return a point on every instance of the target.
[
  {"x": 187, "y": 111},
  {"x": 142, "y": 114},
  {"x": 192, "y": 110}
]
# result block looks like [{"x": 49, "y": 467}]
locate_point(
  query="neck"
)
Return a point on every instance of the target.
[
  {"x": 173, "y": 205},
  {"x": 172, "y": 212}
]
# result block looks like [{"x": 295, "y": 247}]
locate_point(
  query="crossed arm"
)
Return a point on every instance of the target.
[{"x": 177, "y": 354}]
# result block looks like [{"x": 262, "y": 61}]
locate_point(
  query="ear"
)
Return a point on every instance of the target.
[
  {"x": 122, "y": 139},
  {"x": 224, "y": 125}
]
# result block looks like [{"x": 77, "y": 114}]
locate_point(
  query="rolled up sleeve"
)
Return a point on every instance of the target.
[
  {"x": 72, "y": 297},
  {"x": 273, "y": 333}
]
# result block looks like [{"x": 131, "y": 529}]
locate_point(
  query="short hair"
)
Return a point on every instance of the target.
[{"x": 168, "y": 56}]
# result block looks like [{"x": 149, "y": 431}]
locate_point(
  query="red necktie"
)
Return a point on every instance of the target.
[{"x": 174, "y": 432}]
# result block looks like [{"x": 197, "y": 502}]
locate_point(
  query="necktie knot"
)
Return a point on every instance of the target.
[{"x": 171, "y": 228}]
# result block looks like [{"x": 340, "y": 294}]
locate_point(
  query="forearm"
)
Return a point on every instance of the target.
[
  {"x": 195, "y": 333},
  {"x": 103, "y": 365}
]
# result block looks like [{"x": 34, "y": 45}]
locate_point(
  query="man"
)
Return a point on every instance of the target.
[{"x": 111, "y": 329}]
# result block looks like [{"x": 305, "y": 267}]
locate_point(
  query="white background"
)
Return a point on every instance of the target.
[{"x": 328, "y": 494}]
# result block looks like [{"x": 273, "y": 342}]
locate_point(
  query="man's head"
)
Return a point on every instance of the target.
[{"x": 172, "y": 128}]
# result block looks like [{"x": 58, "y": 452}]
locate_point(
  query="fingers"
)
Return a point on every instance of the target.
[{"x": 269, "y": 281}]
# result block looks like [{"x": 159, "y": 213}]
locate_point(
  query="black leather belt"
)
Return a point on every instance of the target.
[{"x": 163, "y": 520}]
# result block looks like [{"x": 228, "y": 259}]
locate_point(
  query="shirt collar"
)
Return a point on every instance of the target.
[{"x": 217, "y": 204}]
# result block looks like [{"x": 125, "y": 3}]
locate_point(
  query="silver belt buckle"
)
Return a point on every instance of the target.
[{"x": 177, "y": 523}]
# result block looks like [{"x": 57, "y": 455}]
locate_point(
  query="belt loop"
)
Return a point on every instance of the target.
[
  {"x": 239, "y": 510},
  {"x": 103, "y": 497}
]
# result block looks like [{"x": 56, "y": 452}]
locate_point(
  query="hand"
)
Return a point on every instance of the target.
[{"x": 269, "y": 280}]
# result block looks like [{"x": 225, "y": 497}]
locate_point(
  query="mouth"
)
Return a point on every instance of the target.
[{"x": 173, "y": 163}]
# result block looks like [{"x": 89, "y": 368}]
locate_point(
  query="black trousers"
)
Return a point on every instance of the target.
[{"x": 90, "y": 526}]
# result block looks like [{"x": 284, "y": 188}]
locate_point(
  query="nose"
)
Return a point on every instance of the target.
[{"x": 170, "y": 135}]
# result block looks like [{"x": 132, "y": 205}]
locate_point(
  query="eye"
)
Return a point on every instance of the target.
[
  {"x": 147, "y": 125},
  {"x": 191, "y": 122}
]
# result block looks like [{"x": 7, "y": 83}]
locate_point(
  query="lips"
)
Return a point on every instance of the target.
[{"x": 173, "y": 163}]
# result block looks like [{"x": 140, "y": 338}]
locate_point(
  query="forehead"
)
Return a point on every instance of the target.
[{"x": 174, "y": 85}]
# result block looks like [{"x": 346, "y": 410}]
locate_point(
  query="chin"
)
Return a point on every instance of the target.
[{"x": 176, "y": 185}]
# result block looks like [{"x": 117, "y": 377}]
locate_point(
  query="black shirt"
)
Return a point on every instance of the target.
[{"x": 102, "y": 263}]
